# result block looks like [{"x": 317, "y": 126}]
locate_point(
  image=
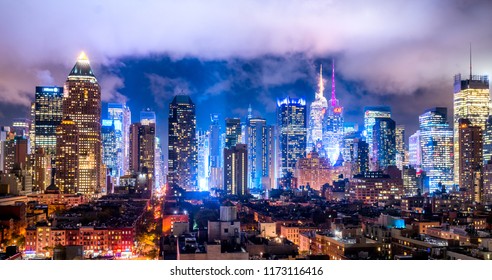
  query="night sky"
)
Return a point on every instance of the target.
[{"x": 228, "y": 55}]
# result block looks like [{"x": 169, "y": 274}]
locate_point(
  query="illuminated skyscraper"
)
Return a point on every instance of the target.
[
  {"x": 414, "y": 150},
  {"x": 316, "y": 114},
  {"x": 470, "y": 160},
  {"x": 142, "y": 147},
  {"x": 82, "y": 104},
  {"x": 361, "y": 157},
  {"x": 333, "y": 132},
  {"x": 121, "y": 115},
  {"x": 233, "y": 132},
  {"x": 48, "y": 114},
  {"x": 67, "y": 157},
  {"x": 203, "y": 158},
  {"x": 436, "y": 140},
  {"x": 110, "y": 147},
  {"x": 236, "y": 169},
  {"x": 400, "y": 146},
  {"x": 384, "y": 143},
  {"x": 182, "y": 164},
  {"x": 370, "y": 114},
  {"x": 291, "y": 120},
  {"x": 216, "y": 177},
  {"x": 472, "y": 102},
  {"x": 487, "y": 141},
  {"x": 159, "y": 164},
  {"x": 260, "y": 153}
]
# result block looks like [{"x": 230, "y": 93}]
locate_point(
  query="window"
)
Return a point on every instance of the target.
[{"x": 226, "y": 230}]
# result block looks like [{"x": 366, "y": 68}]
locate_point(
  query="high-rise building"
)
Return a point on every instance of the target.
[
  {"x": 67, "y": 157},
  {"x": 233, "y": 132},
  {"x": 48, "y": 114},
  {"x": 121, "y": 116},
  {"x": 236, "y": 169},
  {"x": 159, "y": 164},
  {"x": 313, "y": 171},
  {"x": 317, "y": 114},
  {"x": 40, "y": 163},
  {"x": 472, "y": 102},
  {"x": 147, "y": 116},
  {"x": 333, "y": 132},
  {"x": 361, "y": 156},
  {"x": 260, "y": 153},
  {"x": 142, "y": 147},
  {"x": 110, "y": 147},
  {"x": 470, "y": 159},
  {"x": 370, "y": 115},
  {"x": 487, "y": 183},
  {"x": 291, "y": 120},
  {"x": 400, "y": 146},
  {"x": 383, "y": 143},
  {"x": 436, "y": 147},
  {"x": 216, "y": 177},
  {"x": 182, "y": 163},
  {"x": 414, "y": 150},
  {"x": 487, "y": 141},
  {"x": 410, "y": 186},
  {"x": 203, "y": 158},
  {"x": 82, "y": 104}
]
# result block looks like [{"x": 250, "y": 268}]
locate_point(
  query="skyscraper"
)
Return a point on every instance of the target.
[
  {"x": 48, "y": 114},
  {"x": 384, "y": 143},
  {"x": 400, "y": 146},
  {"x": 142, "y": 147},
  {"x": 414, "y": 150},
  {"x": 470, "y": 159},
  {"x": 260, "y": 152},
  {"x": 487, "y": 141},
  {"x": 121, "y": 116},
  {"x": 147, "y": 116},
  {"x": 291, "y": 120},
  {"x": 216, "y": 177},
  {"x": 110, "y": 147},
  {"x": 472, "y": 102},
  {"x": 233, "y": 132},
  {"x": 436, "y": 140},
  {"x": 67, "y": 157},
  {"x": 333, "y": 132},
  {"x": 316, "y": 114},
  {"x": 236, "y": 169},
  {"x": 361, "y": 157},
  {"x": 182, "y": 164},
  {"x": 370, "y": 114},
  {"x": 82, "y": 104},
  {"x": 203, "y": 158}
]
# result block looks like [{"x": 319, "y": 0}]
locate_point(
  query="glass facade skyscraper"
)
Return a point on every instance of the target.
[
  {"x": 48, "y": 114},
  {"x": 291, "y": 120},
  {"x": 436, "y": 142}
]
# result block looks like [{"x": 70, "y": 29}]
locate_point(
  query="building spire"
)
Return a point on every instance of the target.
[
  {"x": 333, "y": 95},
  {"x": 321, "y": 85},
  {"x": 470, "y": 61},
  {"x": 250, "y": 112}
]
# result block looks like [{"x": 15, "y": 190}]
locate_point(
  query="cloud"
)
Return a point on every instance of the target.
[
  {"x": 164, "y": 88},
  {"x": 387, "y": 47},
  {"x": 110, "y": 85}
]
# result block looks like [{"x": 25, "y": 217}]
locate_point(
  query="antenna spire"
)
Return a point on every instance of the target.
[
  {"x": 470, "y": 61},
  {"x": 333, "y": 96},
  {"x": 321, "y": 85}
]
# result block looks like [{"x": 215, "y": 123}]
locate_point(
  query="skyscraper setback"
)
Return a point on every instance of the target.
[
  {"x": 182, "y": 163},
  {"x": 82, "y": 104}
]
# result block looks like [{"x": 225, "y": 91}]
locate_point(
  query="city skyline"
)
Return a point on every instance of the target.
[{"x": 223, "y": 75}]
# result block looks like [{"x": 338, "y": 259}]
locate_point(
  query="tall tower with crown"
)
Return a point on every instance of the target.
[{"x": 333, "y": 123}]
